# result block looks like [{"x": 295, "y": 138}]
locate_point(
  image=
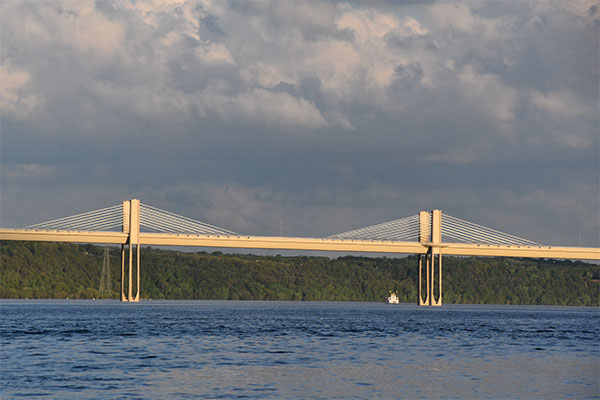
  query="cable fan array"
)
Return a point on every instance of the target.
[
  {"x": 461, "y": 231},
  {"x": 157, "y": 220},
  {"x": 97, "y": 220},
  {"x": 454, "y": 230},
  {"x": 152, "y": 219},
  {"x": 404, "y": 229}
]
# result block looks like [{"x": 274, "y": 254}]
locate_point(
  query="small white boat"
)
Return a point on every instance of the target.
[{"x": 392, "y": 299}]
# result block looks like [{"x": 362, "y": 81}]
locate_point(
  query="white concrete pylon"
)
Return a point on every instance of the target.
[
  {"x": 436, "y": 242},
  {"x": 131, "y": 226},
  {"x": 424, "y": 239},
  {"x": 430, "y": 235},
  {"x": 126, "y": 221}
]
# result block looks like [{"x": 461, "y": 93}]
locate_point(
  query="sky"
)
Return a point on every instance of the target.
[{"x": 305, "y": 118}]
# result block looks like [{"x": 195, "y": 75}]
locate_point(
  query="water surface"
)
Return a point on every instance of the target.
[{"x": 231, "y": 349}]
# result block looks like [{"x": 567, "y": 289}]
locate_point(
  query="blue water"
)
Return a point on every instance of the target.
[{"x": 227, "y": 349}]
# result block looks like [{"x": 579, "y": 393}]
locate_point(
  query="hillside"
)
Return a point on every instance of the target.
[{"x": 60, "y": 270}]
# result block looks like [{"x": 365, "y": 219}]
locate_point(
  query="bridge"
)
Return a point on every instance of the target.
[{"x": 427, "y": 234}]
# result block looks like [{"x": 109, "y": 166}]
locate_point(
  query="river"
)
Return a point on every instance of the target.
[{"x": 105, "y": 349}]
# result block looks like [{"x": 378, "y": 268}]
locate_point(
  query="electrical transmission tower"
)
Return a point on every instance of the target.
[{"x": 105, "y": 289}]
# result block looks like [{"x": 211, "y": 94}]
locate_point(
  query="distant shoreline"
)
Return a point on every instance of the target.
[{"x": 56, "y": 271}]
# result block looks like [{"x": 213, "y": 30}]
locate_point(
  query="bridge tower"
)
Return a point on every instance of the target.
[
  {"x": 430, "y": 235},
  {"x": 131, "y": 226}
]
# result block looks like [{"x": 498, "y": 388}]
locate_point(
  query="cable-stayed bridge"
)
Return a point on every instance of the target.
[{"x": 427, "y": 234}]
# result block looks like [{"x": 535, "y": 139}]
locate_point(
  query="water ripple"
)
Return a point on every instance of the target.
[{"x": 109, "y": 350}]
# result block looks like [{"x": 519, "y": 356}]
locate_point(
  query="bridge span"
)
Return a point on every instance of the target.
[{"x": 427, "y": 234}]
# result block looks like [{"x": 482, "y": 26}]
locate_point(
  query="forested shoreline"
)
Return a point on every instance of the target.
[{"x": 62, "y": 270}]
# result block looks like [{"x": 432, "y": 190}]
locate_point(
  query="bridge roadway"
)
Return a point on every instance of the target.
[{"x": 295, "y": 243}]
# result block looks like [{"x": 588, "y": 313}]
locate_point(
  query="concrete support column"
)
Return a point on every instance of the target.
[
  {"x": 424, "y": 227},
  {"x": 137, "y": 259},
  {"x": 130, "y": 280},
  {"x": 123, "y": 298},
  {"x": 424, "y": 239},
  {"x": 134, "y": 240},
  {"x": 126, "y": 221},
  {"x": 427, "y": 301},
  {"x": 131, "y": 226},
  {"x": 435, "y": 302},
  {"x": 430, "y": 235},
  {"x": 436, "y": 242}
]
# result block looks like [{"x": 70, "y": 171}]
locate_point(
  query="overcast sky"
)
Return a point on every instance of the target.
[{"x": 326, "y": 116}]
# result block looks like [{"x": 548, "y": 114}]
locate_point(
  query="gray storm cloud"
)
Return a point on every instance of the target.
[{"x": 327, "y": 115}]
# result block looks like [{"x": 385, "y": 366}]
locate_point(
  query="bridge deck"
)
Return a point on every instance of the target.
[{"x": 292, "y": 243}]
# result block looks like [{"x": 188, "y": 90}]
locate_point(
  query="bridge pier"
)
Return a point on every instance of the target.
[
  {"x": 427, "y": 301},
  {"x": 430, "y": 235},
  {"x": 435, "y": 302},
  {"x": 131, "y": 226},
  {"x": 123, "y": 297}
]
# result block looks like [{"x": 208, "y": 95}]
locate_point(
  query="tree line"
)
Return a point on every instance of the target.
[{"x": 63, "y": 270}]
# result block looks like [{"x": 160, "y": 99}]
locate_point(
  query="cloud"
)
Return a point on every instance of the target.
[
  {"x": 15, "y": 98},
  {"x": 561, "y": 105},
  {"x": 487, "y": 91},
  {"x": 267, "y": 76},
  {"x": 142, "y": 101},
  {"x": 215, "y": 53},
  {"x": 333, "y": 115},
  {"x": 270, "y": 108},
  {"x": 27, "y": 172},
  {"x": 462, "y": 18},
  {"x": 76, "y": 24},
  {"x": 561, "y": 111}
]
